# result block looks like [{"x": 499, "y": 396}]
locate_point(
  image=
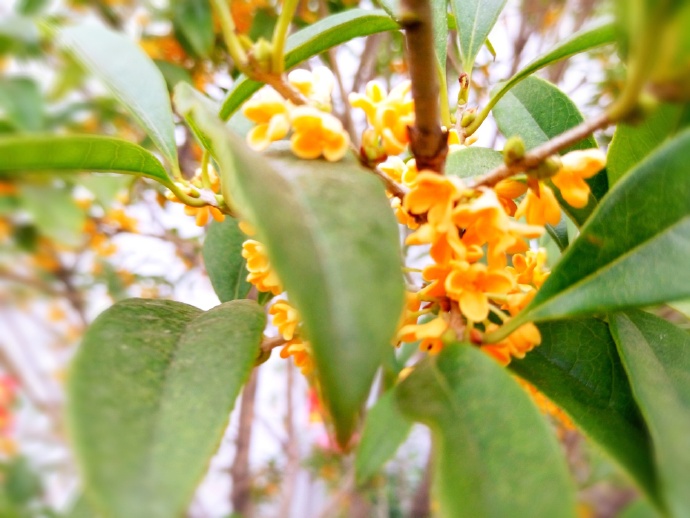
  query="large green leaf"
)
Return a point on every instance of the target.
[
  {"x": 494, "y": 454},
  {"x": 634, "y": 249},
  {"x": 656, "y": 355},
  {"x": 78, "y": 153},
  {"x": 224, "y": 262},
  {"x": 130, "y": 75},
  {"x": 314, "y": 40},
  {"x": 150, "y": 393},
  {"x": 193, "y": 20},
  {"x": 21, "y": 103},
  {"x": 538, "y": 111},
  {"x": 333, "y": 241},
  {"x": 385, "y": 429},
  {"x": 631, "y": 144},
  {"x": 472, "y": 161},
  {"x": 579, "y": 42},
  {"x": 439, "y": 19},
  {"x": 475, "y": 19},
  {"x": 578, "y": 368}
]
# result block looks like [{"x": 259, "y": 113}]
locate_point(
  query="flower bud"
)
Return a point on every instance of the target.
[
  {"x": 514, "y": 150},
  {"x": 546, "y": 169}
]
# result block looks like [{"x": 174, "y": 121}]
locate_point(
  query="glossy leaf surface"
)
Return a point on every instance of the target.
[
  {"x": 475, "y": 19},
  {"x": 494, "y": 454},
  {"x": 578, "y": 368},
  {"x": 150, "y": 393},
  {"x": 656, "y": 355},
  {"x": 130, "y": 75},
  {"x": 78, "y": 154}
]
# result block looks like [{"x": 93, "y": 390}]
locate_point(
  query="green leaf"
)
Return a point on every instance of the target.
[
  {"x": 579, "y": 42},
  {"x": 559, "y": 233},
  {"x": 538, "y": 111},
  {"x": 311, "y": 41},
  {"x": 578, "y": 368},
  {"x": 193, "y": 20},
  {"x": 475, "y": 19},
  {"x": 494, "y": 454},
  {"x": 333, "y": 241},
  {"x": 78, "y": 153},
  {"x": 472, "y": 161},
  {"x": 19, "y": 36},
  {"x": 631, "y": 144},
  {"x": 634, "y": 249},
  {"x": 31, "y": 7},
  {"x": 54, "y": 212},
  {"x": 439, "y": 20},
  {"x": 224, "y": 262},
  {"x": 656, "y": 356},
  {"x": 173, "y": 74},
  {"x": 385, "y": 429},
  {"x": 130, "y": 75},
  {"x": 150, "y": 392},
  {"x": 639, "y": 509},
  {"x": 80, "y": 509},
  {"x": 22, "y": 103}
]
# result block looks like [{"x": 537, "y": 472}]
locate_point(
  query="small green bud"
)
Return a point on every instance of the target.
[
  {"x": 547, "y": 168},
  {"x": 467, "y": 118},
  {"x": 262, "y": 52},
  {"x": 514, "y": 150}
]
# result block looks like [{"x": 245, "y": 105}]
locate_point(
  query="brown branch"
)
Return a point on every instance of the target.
[
  {"x": 241, "y": 496},
  {"x": 271, "y": 343},
  {"x": 421, "y": 502},
  {"x": 541, "y": 153},
  {"x": 277, "y": 82},
  {"x": 367, "y": 61},
  {"x": 428, "y": 141}
]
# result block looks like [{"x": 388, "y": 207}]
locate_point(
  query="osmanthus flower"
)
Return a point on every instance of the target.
[
  {"x": 576, "y": 167},
  {"x": 261, "y": 274},
  {"x": 317, "y": 133},
  {"x": 389, "y": 114},
  {"x": 508, "y": 191},
  {"x": 540, "y": 208},
  {"x": 530, "y": 268},
  {"x": 285, "y": 318},
  {"x": 271, "y": 113},
  {"x": 434, "y": 195},
  {"x": 316, "y": 85},
  {"x": 484, "y": 221},
  {"x": 203, "y": 214},
  {"x": 547, "y": 407},
  {"x": 300, "y": 351},
  {"x": 430, "y": 333},
  {"x": 516, "y": 345},
  {"x": 470, "y": 283}
]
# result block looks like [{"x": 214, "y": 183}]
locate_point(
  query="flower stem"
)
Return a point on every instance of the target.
[
  {"x": 227, "y": 25},
  {"x": 280, "y": 35}
]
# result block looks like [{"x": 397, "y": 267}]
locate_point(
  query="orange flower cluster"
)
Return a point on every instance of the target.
[
  {"x": 483, "y": 271},
  {"x": 547, "y": 407},
  {"x": 8, "y": 395},
  {"x": 316, "y": 132}
]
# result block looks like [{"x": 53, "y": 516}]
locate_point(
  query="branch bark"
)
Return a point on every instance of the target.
[
  {"x": 240, "y": 472},
  {"x": 428, "y": 141}
]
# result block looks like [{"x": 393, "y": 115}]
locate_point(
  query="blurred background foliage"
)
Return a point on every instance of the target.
[{"x": 72, "y": 245}]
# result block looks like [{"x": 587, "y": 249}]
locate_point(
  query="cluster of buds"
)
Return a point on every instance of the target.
[
  {"x": 203, "y": 214},
  {"x": 315, "y": 131}
]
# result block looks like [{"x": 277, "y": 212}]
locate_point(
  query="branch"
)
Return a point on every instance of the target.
[
  {"x": 428, "y": 141},
  {"x": 240, "y": 473},
  {"x": 541, "y": 153}
]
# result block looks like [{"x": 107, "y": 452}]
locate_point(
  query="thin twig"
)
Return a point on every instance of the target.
[
  {"x": 271, "y": 343},
  {"x": 541, "y": 153},
  {"x": 277, "y": 82}
]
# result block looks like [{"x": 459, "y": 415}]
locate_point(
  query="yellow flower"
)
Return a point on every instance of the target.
[
  {"x": 469, "y": 284},
  {"x": 285, "y": 318},
  {"x": 318, "y": 133},
  {"x": 540, "y": 208},
  {"x": 301, "y": 354},
  {"x": 516, "y": 345},
  {"x": 270, "y": 112},
  {"x": 261, "y": 274},
  {"x": 390, "y": 115},
  {"x": 529, "y": 268},
  {"x": 507, "y": 190},
  {"x": 570, "y": 179},
  {"x": 316, "y": 85},
  {"x": 434, "y": 195},
  {"x": 429, "y": 333},
  {"x": 203, "y": 214}
]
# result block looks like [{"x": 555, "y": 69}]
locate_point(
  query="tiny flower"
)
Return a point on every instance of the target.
[
  {"x": 434, "y": 195},
  {"x": 469, "y": 284},
  {"x": 285, "y": 318},
  {"x": 570, "y": 179},
  {"x": 318, "y": 133},
  {"x": 316, "y": 85},
  {"x": 540, "y": 208},
  {"x": 270, "y": 112},
  {"x": 301, "y": 354},
  {"x": 203, "y": 214},
  {"x": 516, "y": 345},
  {"x": 429, "y": 333},
  {"x": 507, "y": 191},
  {"x": 261, "y": 274}
]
